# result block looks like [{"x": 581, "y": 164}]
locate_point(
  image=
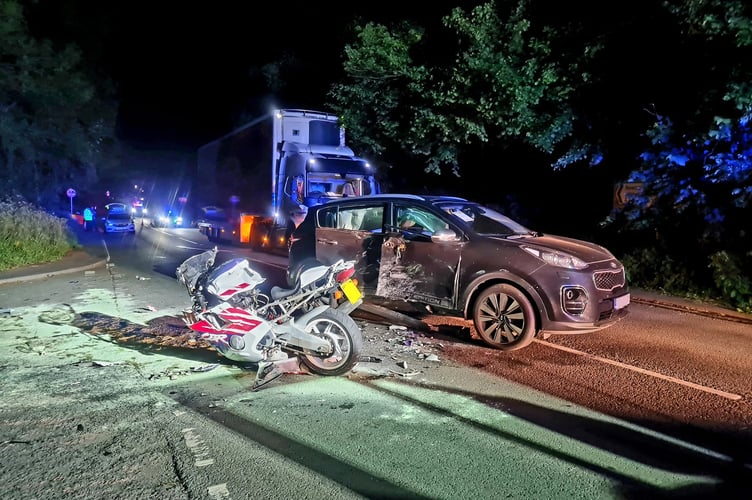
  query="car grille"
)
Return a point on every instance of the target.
[{"x": 608, "y": 280}]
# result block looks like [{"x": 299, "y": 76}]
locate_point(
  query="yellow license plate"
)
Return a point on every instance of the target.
[{"x": 351, "y": 291}]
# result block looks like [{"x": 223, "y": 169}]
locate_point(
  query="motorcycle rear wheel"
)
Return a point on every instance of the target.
[{"x": 345, "y": 337}]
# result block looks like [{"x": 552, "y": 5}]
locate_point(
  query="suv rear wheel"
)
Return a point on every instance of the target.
[{"x": 504, "y": 317}]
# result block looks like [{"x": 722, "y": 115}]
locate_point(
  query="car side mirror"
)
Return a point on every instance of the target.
[{"x": 445, "y": 235}]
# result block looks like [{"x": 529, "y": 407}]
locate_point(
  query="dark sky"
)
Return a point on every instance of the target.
[
  {"x": 186, "y": 70},
  {"x": 189, "y": 72}
]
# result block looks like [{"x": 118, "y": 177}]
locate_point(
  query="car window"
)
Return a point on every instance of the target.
[
  {"x": 327, "y": 217},
  {"x": 483, "y": 220},
  {"x": 417, "y": 220},
  {"x": 372, "y": 219},
  {"x": 357, "y": 218}
]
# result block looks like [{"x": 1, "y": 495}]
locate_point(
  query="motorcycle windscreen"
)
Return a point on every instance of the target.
[
  {"x": 193, "y": 267},
  {"x": 232, "y": 277}
]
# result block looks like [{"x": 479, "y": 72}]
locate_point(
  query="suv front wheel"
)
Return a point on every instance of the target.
[{"x": 504, "y": 317}]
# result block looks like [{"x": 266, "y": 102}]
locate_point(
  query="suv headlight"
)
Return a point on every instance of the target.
[{"x": 557, "y": 259}]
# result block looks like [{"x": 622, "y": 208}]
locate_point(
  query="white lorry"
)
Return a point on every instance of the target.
[{"x": 265, "y": 173}]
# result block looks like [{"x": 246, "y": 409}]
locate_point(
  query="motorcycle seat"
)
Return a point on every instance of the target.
[{"x": 278, "y": 292}]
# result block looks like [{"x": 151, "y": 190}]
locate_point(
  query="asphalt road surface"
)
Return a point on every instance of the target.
[{"x": 107, "y": 395}]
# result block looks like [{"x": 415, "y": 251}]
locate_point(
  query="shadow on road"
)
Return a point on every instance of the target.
[
  {"x": 166, "y": 335},
  {"x": 732, "y": 476}
]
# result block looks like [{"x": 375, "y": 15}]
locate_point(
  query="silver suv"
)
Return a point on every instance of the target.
[{"x": 468, "y": 260}]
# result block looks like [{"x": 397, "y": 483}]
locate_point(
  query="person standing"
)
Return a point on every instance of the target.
[
  {"x": 88, "y": 218},
  {"x": 295, "y": 207}
]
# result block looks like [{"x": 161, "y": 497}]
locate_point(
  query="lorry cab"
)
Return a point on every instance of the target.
[
  {"x": 320, "y": 187},
  {"x": 275, "y": 168}
]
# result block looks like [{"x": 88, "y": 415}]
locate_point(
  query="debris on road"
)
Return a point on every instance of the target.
[
  {"x": 205, "y": 368},
  {"x": 387, "y": 351}
]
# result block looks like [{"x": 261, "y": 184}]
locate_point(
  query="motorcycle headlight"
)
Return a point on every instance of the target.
[
  {"x": 557, "y": 259},
  {"x": 237, "y": 342}
]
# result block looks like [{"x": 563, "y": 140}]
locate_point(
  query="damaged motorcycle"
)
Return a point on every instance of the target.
[{"x": 309, "y": 323}]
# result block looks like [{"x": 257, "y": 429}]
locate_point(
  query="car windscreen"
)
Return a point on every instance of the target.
[
  {"x": 120, "y": 217},
  {"x": 483, "y": 220}
]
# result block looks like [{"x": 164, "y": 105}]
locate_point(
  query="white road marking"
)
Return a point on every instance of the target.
[
  {"x": 218, "y": 491},
  {"x": 710, "y": 390},
  {"x": 198, "y": 448}
]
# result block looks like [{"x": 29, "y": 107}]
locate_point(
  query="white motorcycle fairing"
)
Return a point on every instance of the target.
[
  {"x": 231, "y": 313},
  {"x": 240, "y": 335}
]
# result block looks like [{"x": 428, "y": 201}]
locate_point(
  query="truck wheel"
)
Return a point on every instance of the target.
[{"x": 504, "y": 317}]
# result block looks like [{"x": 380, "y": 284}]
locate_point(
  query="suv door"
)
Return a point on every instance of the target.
[
  {"x": 413, "y": 267},
  {"x": 352, "y": 231}
]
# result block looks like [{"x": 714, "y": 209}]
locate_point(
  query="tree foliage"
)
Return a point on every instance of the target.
[
  {"x": 508, "y": 75},
  {"x": 386, "y": 90},
  {"x": 56, "y": 124},
  {"x": 501, "y": 80},
  {"x": 696, "y": 173}
]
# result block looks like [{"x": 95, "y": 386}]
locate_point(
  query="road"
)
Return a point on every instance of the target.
[{"x": 105, "y": 396}]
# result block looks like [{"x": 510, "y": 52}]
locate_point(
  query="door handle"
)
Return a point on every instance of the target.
[{"x": 326, "y": 242}]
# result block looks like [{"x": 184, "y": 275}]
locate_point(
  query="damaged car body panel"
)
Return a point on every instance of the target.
[{"x": 468, "y": 260}]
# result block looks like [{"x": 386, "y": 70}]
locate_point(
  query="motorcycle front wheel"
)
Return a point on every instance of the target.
[{"x": 346, "y": 340}]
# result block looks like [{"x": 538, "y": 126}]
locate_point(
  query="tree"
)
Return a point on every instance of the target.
[
  {"x": 501, "y": 80},
  {"x": 56, "y": 124},
  {"x": 696, "y": 175},
  {"x": 507, "y": 79}
]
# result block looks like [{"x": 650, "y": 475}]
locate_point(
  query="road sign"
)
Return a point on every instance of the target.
[
  {"x": 624, "y": 190},
  {"x": 71, "y": 194}
]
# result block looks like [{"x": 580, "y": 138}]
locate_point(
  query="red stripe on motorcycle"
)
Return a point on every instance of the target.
[
  {"x": 240, "y": 326},
  {"x": 233, "y": 291},
  {"x": 204, "y": 326}
]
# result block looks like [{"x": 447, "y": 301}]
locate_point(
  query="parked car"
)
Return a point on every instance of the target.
[
  {"x": 467, "y": 260},
  {"x": 118, "y": 219}
]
